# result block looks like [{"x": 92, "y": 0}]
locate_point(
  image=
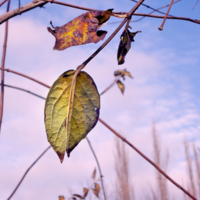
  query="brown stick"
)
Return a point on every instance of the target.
[
  {"x": 28, "y": 77},
  {"x": 28, "y": 171},
  {"x": 147, "y": 159},
  {"x": 161, "y": 26},
  {"x": 3, "y": 2},
  {"x": 21, "y": 10},
  {"x": 2, "y": 66}
]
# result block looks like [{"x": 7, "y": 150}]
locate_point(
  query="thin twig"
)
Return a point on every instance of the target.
[
  {"x": 24, "y": 90},
  {"x": 21, "y": 10},
  {"x": 156, "y": 10},
  {"x": 28, "y": 171},
  {"x": 113, "y": 83},
  {"x": 161, "y": 26},
  {"x": 2, "y": 66},
  {"x": 104, "y": 194},
  {"x": 28, "y": 77},
  {"x": 195, "y": 5},
  {"x": 147, "y": 159},
  {"x": 4, "y": 1}
]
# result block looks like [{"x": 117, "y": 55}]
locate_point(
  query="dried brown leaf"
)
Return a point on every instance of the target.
[
  {"x": 85, "y": 191},
  {"x": 94, "y": 174},
  {"x": 61, "y": 198},
  {"x": 81, "y": 30},
  {"x": 96, "y": 190},
  {"x": 79, "y": 196},
  {"x": 125, "y": 44},
  {"x": 128, "y": 74},
  {"x": 121, "y": 86}
]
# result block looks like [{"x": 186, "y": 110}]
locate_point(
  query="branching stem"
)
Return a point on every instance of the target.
[{"x": 2, "y": 66}]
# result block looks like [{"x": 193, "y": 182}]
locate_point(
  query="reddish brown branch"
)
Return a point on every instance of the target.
[
  {"x": 156, "y": 10},
  {"x": 27, "y": 172},
  {"x": 28, "y": 77},
  {"x": 21, "y": 10},
  {"x": 147, "y": 159},
  {"x": 2, "y": 66},
  {"x": 161, "y": 26},
  {"x": 3, "y": 2}
]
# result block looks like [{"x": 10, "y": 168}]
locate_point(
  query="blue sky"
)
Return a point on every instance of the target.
[{"x": 165, "y": 89}]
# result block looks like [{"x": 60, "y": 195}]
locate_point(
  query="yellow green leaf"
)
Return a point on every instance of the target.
[
  {"x": 71, "y": 111},
  {"x": 81, "y": 30},
  {"x": 121, "y": 86}
]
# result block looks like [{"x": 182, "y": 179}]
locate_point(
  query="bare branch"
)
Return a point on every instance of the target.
[
  {"x": 93, "y": 152},
  {"x": 27, "y": 172},
  {"x": 161, "y": 26},
  {"x": 21, "y": 10},
  {"x": 28, "y": 77},
  {"x": 189, "y": 166},
  {"x": 4, "y": 1},
  {"x": 147, "y": 159},
  {"x": 22, "y": 89},
  {"x": 195, "y": 5},
  {"x": 156, "y": 10},
  {"x": 2, "y": 66}
]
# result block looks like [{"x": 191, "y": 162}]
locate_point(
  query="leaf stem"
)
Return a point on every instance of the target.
[
  {"x": 161, "y": 26},
  {"x": 2, "y": 66}
]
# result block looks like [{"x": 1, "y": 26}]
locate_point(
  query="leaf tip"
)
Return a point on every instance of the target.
[{"x": 61, "y": 156}]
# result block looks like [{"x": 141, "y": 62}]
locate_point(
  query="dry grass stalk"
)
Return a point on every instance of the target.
[
  {"x": 124, "y": 189},
  {"x": 197, "y": 163},
  {"x": 162, "y": 182},
  {"x": 189, "y": 166}
]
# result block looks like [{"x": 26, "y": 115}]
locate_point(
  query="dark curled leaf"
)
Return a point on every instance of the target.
[
  {"x": 125, "y": 44},
  {"x": 85, "y": 191},
  {"x": 81, "y": 30},
  {"x": 79, "y": 196},
  {"x": 121, "y": 86}
]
